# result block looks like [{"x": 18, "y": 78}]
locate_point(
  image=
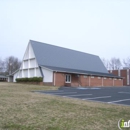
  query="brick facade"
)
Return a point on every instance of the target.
[
  {"x": 83, "y": 80},
  {"x": 123, "y": 73},
  {"x": 59, "y": 79},
  {"x": 118, "y": 82},
  {"x": 95, "y": 81}
]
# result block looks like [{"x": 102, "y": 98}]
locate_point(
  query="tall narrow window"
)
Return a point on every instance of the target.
[{"x": 68, "y": 78}]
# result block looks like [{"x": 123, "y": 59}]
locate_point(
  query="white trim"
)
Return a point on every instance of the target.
[
  {"x": 65, "y": 78},
  {"x": 85, "y": 76},
  {"x": 74, "y": 72},
  {"x": 46, "y": 68}
]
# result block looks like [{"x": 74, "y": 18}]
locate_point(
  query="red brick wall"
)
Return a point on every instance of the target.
[
  {"x": 95, "y": 81},
  {"x": 115, "y": 72},
  {"x": 108, "y": 81},
  {"x": 118, "y": 82},
  {"x": 84, "y": 81},
  {"x": 124, "y": 75},
  {"x": 59, "y": 79},
  {"x": 75, "y": 80}
]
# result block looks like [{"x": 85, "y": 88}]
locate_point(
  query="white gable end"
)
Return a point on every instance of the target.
[
  {"x": 29, "y": 66},
  {"x": 26, "y": 55},
  {"x": 48, "y": 75},
  {"x": 31, "y": 53}
]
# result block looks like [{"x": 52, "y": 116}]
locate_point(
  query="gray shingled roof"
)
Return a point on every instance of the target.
[
  {"x": 50, "y": 55},
  {"x": 75, "y": 71},
  {"x": 2, "y": 76}
]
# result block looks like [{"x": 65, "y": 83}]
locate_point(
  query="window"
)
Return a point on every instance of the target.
[
  {"x": 85, "y": 76},
  {"x": 110, "y": 71},
  {"x": 68, "y": 78},
  {"x": 104, "y": 77},
  {"x": 119, "y": 79},
  {"x": 110, "y": 78},
  {"x": 92, "y": 76},
  {"x": 99, "y": 77}
]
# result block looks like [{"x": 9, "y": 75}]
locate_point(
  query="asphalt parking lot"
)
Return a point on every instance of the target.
[{"x": 111, "y": 95}]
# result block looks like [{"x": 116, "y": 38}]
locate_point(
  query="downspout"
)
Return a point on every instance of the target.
[
  {"x": 128, "y": 77},
  {"x": 41, "y": 72},
  {"x": 79, "y": 81},
  {"x": 89, "y": 80},
  {"x": 54, "y": 78},
  {"x": 113, "y": 82}
]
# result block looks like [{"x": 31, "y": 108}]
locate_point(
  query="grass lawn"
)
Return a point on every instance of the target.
[{"x": 21, "y": 109}]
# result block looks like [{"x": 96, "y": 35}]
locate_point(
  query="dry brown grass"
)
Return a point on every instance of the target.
[{"x": 21, "y": 109}]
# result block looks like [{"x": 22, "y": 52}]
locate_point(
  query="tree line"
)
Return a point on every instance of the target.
[
  {"x": 116, "y": 63},
  {"x": 9, "y": 65}
]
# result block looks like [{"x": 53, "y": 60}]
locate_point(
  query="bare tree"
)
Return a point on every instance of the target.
[
  {"x": 106, "y": 63},
  {"x": 2, "y": 67},
  {"x": 12, "y": 64},
  {"x": 115, "y": 63},
  {"x": 126, "y": 62}
]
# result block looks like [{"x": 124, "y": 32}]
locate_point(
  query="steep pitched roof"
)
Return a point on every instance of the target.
[{"x": 50, "y": 55}]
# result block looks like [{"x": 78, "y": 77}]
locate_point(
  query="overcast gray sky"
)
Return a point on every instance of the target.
[{"x": 100, "y": 27}]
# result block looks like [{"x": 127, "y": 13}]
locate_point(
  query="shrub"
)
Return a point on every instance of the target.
[{"x": 34, "y": 79}]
